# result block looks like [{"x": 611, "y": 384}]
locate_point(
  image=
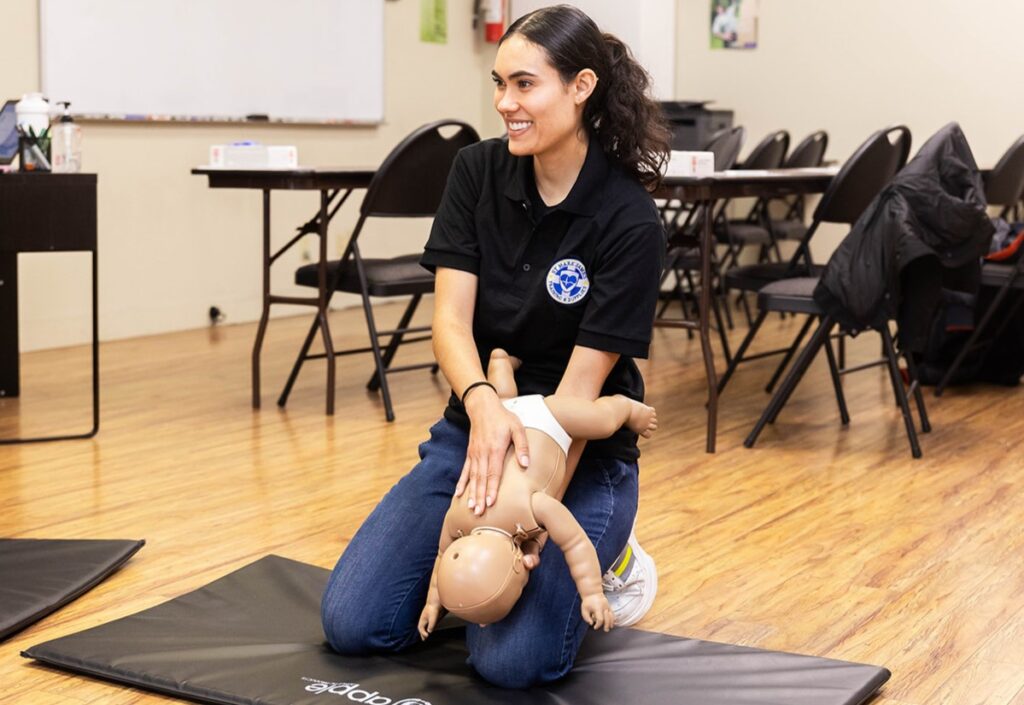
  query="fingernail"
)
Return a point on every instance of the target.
[
  {"x": 490, "y": 500},
  {"x": 524, "y": 460},
  {"x": 470, "y": 503}
]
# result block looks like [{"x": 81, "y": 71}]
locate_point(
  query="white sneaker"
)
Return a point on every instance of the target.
[{"x": 631, "y": 584}]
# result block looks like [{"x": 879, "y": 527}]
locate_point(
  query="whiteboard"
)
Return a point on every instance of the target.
[
  {"x": 648, "y": 28},
  {"x": 300, "y": 60}
]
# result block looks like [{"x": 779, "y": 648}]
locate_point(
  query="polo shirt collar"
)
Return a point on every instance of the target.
[{"x": 586, "y": 194}]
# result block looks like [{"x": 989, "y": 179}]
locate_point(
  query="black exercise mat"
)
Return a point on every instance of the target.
[
  {"x": 254, "y": 637},
  {"x": 39, "y": 576}
]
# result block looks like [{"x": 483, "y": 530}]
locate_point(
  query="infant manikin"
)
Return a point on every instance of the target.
[{"x": 479, "y": 572}]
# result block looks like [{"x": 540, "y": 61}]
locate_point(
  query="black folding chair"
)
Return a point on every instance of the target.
[
  {"x": 809, "y": 153},
  {"x": 860, "y": 179},
  {"x": 753, "y": 230},
  {"x": 1004, "y": 186},
  {"x": 797, "y": 296},
  {"x": 408, "y": 184}
]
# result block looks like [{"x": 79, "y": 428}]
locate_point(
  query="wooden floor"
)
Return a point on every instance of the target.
[{"x": 822, "y": 540}]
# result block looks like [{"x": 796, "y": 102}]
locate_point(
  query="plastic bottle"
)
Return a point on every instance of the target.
[{"x": 67, "y": 143}]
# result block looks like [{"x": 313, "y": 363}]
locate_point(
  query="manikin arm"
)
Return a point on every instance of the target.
[
  {"x": 580, "y": 556},
  {"x": 432, "y": 610}
]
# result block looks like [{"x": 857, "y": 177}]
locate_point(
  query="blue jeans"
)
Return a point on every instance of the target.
[{"x": 375, "y": 595}]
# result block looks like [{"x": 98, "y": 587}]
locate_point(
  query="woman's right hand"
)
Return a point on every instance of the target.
[{"x": 492, "y": 428}]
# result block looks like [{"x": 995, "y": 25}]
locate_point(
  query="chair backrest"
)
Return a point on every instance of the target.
[
  {"x": 726, "y": 145},
  {"x": 809, "y": 153},
  {"x": 411, "y": 180},
  {"x": 863, "y": 175},
  {"x": 1004, "y": 185},
  {"x": 769, "y": 152}
]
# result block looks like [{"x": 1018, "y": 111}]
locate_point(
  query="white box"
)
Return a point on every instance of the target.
[
  {"x": 251, "y": 155},
  {"x": 282, "y": 156},
  {"x": 690, "y": 164}
]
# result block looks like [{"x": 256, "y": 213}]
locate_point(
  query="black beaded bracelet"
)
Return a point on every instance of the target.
[{"x": 470, "y": 388}]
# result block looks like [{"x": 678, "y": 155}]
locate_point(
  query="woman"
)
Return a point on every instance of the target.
[{"x": 549, "y": 246}]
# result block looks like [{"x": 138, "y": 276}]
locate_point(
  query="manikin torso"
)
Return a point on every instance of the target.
[{"x": 513, "y": 511}]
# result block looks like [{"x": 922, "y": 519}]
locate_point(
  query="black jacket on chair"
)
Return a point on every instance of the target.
[{"x": 926, "y": 227}]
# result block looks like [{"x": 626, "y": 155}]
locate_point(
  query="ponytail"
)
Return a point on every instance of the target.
[{"x": 619, "y": 114}]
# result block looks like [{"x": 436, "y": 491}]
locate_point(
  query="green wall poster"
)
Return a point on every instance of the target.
[
  {"x": 734, "y": 24},
  {"x": 434, "y": 21}
]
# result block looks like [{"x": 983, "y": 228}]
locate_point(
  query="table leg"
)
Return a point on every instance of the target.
[
  {"x": 10, "y": 385},
  {"x": 324, "y": 300},
  {"x": 704, "y": 304},
  {"x": 265, "y": 316},
  {"x": 95, "y": 346}
]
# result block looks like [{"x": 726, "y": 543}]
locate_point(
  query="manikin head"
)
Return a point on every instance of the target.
[{"x": 481, "y": 576}]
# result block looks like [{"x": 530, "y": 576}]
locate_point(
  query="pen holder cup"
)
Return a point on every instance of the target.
[{"x": 34, "y": 153}]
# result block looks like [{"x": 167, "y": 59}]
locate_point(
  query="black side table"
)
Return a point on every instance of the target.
[{"x": 43, "y": 213}]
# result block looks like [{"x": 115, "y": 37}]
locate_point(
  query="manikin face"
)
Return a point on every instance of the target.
[{"x": 541, "y": 113}]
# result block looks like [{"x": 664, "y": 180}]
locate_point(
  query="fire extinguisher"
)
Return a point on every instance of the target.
[{"x": 494, "y": 20}]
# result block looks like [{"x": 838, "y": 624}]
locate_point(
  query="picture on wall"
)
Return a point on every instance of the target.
[{"x": 734, "y": 24}]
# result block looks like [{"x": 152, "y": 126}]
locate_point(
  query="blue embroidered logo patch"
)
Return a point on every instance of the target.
[{"x": 567, "y": 281}]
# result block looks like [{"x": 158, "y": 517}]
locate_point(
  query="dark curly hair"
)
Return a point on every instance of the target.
[{"x": 620, "y": 113}]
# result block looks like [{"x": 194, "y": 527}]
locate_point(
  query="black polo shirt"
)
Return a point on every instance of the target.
[{"x": 584, "y": 272}]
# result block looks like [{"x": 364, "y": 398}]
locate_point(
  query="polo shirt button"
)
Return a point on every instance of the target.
[
  {"x": 524, "y": 205},
  {"x": 526, "y": 268}
]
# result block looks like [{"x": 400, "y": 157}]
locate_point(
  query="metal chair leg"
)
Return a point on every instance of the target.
[
  {"x": 801, "y": 372},
  {"x": 970, "y": 343},
  {"x": 303, "y": 352},
  {"x": 915, "y": 386},
  {"x": 837, "y": 383},
  {"x": 901, "y": 396},
  {"x": 746, "y": 308},
  {"x": 738, "y": 357},
  {"x": 792, "y": 378},
  {"x": 396, "y": 339},
  {"x": 389, "y": 412},
  {"x": 789, "y": 354}
]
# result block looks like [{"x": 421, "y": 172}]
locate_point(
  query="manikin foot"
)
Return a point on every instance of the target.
[{"x": 642, "y": 419}]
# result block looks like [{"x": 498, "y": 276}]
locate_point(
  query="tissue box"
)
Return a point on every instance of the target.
[
  {"x": 690, "y": 164},
  {"x": 251, "y": 155}
]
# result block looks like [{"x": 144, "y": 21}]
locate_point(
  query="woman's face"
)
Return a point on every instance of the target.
[{"x": 541, "y": 112}]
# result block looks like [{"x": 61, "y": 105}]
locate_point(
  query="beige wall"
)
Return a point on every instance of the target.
[
  {"x": 851, "y": 67},
  {"x": 169, "y": 246}
]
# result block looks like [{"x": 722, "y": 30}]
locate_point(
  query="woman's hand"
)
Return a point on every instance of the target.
[{"x": 492, "y": 427}]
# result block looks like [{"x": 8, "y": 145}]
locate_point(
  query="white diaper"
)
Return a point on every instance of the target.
[{"x": 535, "y": 414}]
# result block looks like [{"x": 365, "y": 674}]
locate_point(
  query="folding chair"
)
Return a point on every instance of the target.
[
  {"x": 753, "y": 230},
  {"x": 408, "y": 184},
  {"x": 797, "y": 296},
  {"x": 860, "y": 179},
  {"x": 1004, "y": 186},
  {"x": 808, "y": 154}
]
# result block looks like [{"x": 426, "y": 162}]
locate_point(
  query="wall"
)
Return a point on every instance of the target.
[
  {"x": 169, "y": 246},
  {"x": 853, "y": 67}
]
